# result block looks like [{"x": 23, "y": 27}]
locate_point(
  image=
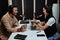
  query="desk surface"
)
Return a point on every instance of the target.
[{"x": 31, "y": 35}]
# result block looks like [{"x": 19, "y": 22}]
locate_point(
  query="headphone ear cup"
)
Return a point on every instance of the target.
[{"x": 10, "y": 8}]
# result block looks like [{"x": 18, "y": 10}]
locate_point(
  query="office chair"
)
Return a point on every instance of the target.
[{"x": 58, "y": 29}]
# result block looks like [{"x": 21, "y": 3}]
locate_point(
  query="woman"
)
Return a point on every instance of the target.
[{"x": 49, "y": 24}]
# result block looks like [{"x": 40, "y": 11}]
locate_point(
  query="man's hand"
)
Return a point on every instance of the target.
[
  {"x": 22, "y": 29},
  {"x": 34, "y": 20}
]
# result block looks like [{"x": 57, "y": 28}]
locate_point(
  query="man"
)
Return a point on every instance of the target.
[{"x": 9, "y": 22}]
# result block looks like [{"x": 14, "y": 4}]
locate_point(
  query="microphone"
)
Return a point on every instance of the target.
[
  {"x": 20, "y": 15},
  {"x": 39, "y": 16}
]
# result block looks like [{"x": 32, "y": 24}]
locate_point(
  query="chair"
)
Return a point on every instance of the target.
[
  {"x": 58, "y": 29},
  {"x": 57, "y": 37}
]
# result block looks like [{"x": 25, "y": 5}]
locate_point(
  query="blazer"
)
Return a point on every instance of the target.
[{"x": 7, "y": 25}]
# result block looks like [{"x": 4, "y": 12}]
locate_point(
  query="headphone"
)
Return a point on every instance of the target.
[{"x": 10, "y": 8}]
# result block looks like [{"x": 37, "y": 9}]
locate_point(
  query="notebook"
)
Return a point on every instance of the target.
[{"x": 20, "y": 36}]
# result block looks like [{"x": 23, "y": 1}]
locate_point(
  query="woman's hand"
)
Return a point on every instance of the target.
[
  {"x": 37, "y": 25},
  {"x": 42, "y": 23}
]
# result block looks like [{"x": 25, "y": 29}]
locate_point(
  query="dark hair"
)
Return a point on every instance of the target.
[
  {"x": 10, "y": 8},
  {"x": 48, "y": 10}
]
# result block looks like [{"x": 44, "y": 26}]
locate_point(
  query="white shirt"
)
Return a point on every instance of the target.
[{"x": 50, "y": 22}]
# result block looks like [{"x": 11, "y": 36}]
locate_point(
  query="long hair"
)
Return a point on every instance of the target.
[{"x": 49, "y": 11}]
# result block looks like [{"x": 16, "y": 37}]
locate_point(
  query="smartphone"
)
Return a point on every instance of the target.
[{"x": 40, "y": 35}]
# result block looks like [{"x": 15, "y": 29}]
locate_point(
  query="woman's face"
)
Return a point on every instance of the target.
[{"x": 44, "y": 11}]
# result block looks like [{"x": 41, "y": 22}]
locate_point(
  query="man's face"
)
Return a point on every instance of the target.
[{"x": 15, "y": 11}]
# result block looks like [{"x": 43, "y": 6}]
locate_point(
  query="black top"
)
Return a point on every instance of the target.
[{"x": 51, "y": 30}]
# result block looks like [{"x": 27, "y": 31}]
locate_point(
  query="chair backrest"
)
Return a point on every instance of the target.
[
  {"x": 58, "y": 27},
  {"x": 57, "y": 37}
]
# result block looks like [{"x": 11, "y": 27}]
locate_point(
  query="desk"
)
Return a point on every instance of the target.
[{"x": 31, "y": 34}]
